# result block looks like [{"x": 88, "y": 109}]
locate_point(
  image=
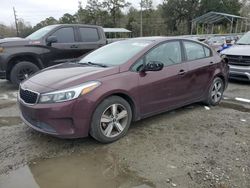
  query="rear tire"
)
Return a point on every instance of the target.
[
  {"x": 215, "y": 92},
  {"x": 111, "y": 120},
  {"x": 21, "y": 71}
]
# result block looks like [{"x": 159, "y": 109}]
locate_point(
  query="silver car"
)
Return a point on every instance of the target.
[{"x": 239, "y": 58}]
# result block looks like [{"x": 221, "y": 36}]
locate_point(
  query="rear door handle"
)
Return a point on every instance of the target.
[
  {"x": 182, "y": 72},
  {"x": 74, "y": 46}
]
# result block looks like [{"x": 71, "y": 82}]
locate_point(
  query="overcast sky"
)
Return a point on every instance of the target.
[{"x": 34, "y": 11}]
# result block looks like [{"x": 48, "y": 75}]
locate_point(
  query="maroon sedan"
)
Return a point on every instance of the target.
[{"x": 119, "y": 83}]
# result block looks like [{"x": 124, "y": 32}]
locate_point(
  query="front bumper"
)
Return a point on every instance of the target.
[
  {"x": 58, "y": 120},
  {"x": 2, "y": 74},
  {"x": 239, "y": 72}
]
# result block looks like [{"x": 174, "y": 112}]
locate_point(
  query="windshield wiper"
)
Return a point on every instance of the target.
[{"x": 95, "y": 64}]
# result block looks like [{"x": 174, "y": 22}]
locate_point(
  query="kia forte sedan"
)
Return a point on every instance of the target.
[{"x": 119, "y": 83}]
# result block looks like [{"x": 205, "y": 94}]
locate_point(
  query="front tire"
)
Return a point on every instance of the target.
[
  {"x": 215, "y": 92},
  {"x": 21, "y": 71},
  {"x": 111, "y": 120}
]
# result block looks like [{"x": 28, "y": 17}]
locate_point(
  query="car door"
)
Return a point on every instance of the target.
[
  {"x": 201, "y": 65},
  {"x": 65, "y": 48},
  {"x": 89, "y": 39},
  {"x": 165, "y": 89}
]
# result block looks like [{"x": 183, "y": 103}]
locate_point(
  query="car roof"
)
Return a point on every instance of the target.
[
  {"x": 158, "y": 39},
  {"x": 72, "y": 25}
]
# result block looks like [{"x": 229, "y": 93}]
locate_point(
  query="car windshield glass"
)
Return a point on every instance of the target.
[
  {"x": 245, "y": 39},
  {"x": 40, "y": 33},
  {"x": 116, "y": 53}
]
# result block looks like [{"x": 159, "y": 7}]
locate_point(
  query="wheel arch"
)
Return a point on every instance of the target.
[
  {"x": 23, "y": 57},
  {"x": 221, "y": 77},
  {"x": 126, "y": 97},
  {"x": 130, "y": 101}
]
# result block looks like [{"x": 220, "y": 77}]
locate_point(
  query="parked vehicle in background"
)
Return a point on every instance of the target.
[
  {"x": 122, "y": 82},
  {"x": 227, "y": 44},
  {"x": 239, "y": 58},
  {"x": 220, "y": 43},
  {"x": 216, "y": 42},
  {"x": 51, "y": 45}
]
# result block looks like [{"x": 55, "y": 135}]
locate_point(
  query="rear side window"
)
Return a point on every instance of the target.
[
  {"x": 89, "y": 34},
  {"x": 168, "y": 53},
  {"x": 65, "y": 35},
  {"x": 195, "y": 51}
]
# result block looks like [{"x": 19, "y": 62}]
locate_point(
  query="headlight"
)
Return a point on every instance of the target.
[
  {"x": 68, "y": 94},
  {"x": 1, "y": 49}
]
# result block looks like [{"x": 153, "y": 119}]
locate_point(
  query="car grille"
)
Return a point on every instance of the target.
[
  {"x": 28, "y": 96},
  {"x": 239, "y": 60}
]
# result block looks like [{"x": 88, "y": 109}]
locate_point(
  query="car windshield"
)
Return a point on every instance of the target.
[
  {"x": 40, "y": 33},
  {"x": 245, "y": 39},
  {"x": 116, "y": 53}
]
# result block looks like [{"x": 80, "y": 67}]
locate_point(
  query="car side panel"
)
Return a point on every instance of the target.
[
  {"x": 201, "y": 72},
  {"x": 163, "y": 90}
]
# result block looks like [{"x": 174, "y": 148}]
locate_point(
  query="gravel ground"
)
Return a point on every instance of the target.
[{"x": 194, "y": 146}]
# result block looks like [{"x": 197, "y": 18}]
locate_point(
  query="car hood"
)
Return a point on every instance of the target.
[
  {"x": 241, "y": 50},
  {"x": 65, "y": 76},
  {"x": 15, "y": 41}
]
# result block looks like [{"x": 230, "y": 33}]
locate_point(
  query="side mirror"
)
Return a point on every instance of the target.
[
  {"x": 153, "y": 66},
  {"x": 51, "y": 39}
]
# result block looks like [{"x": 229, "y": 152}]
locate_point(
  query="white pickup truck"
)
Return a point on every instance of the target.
[{"x": 239, "y": 58}]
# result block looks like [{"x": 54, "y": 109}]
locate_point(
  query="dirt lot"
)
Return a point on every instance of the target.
[{"x": 191, "y": 147}]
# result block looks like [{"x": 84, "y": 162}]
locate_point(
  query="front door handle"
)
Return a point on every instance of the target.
[{"x": 182, "y": 72}]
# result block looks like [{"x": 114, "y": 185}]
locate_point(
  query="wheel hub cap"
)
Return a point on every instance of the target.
[
  {"x": 114, "y": 120},
  {"x": 217, "y": 92}
]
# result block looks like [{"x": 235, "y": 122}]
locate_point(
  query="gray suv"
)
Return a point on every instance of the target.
[
  {"x": 239, "y": 59},
  {"x": 51, "y": 45}
]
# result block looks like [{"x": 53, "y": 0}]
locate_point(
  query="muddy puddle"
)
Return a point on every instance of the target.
[
  {"x": 8, "y": 121},
  {"x": 11, "y": 96},
  {"x": 90, "y": 170},
  {"x": 7, "y": 105},
  {"x": 234, "y": 106}
]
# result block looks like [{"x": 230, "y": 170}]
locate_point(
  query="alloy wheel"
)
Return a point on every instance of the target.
[
  {"x": 114, "y": 120},
  {"x": 217, "y": 91},
  {"x": 25, "y": 73}
]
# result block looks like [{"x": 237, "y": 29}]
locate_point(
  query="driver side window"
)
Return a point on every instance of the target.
[{"x": 168, "y": 53}]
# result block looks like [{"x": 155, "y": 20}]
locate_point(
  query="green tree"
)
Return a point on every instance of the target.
[
  {"x": 225, "y": 6},
  {"x": 114, "y": 8},
  {"x": 67, "y": 19},
  {"x": 25, "y": 28},
  {"x": 7, "y": 31},
  {"x": 147, "y": 4},
  {"x": 133, "y": 24},
  {"x": 178, "y": 14},
  {"x": 147, "y": 14},
  {"x": 175, "y": 13},
  {"x": 95, "y": 12},
  {"x": 48, "y": 21},
  {"x": 80, "y": 14},
  {"x": 245, "y": 10}
]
